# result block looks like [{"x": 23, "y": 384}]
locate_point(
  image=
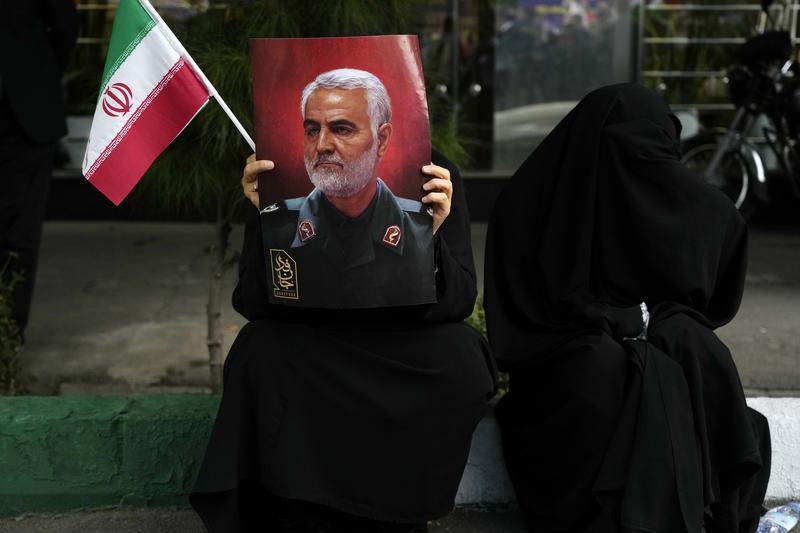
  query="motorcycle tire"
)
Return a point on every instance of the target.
[{"x": 732, "y": 175}]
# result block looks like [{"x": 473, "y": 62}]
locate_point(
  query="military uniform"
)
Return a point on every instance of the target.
[{"x": 318, "y": 257}]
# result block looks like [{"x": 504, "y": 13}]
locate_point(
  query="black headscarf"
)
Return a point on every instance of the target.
[
  {"x": 600, "y": 218},
  {"x": 603, "y": 212}
]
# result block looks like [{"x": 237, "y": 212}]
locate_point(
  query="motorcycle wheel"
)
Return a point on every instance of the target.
[{"x": 732, "y": 175}]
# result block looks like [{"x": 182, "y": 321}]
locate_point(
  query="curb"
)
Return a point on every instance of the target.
[
  {"x": 59, "y": 453},
  {"x": 485, "y": 480}
]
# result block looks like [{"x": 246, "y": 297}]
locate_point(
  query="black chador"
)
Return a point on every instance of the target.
[
  {"x": 354, "y": 420},
  {"x": 608, "y": 267}
]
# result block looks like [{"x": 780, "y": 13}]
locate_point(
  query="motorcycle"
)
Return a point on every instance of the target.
[{"x": 765, "y": 88}]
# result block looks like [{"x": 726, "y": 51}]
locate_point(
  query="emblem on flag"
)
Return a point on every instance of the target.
[
  {"x": 170, "y": 90},
  {"x": 117, "y": 99}
]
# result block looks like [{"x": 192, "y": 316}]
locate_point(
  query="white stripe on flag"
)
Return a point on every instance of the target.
[{"x": 142, "y": 71}]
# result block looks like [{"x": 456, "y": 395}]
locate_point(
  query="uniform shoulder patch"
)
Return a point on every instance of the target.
[
  {"x": 293, "y": 204},
  {"x": 411, "y": 206}
]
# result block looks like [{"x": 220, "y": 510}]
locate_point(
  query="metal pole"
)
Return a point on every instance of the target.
[
  {"x": 725, "y": 143},
  {"x": 177, "y": 44}
]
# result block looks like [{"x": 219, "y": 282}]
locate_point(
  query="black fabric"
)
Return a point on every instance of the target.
[
  {"x": 25, "y": 172},
  {"x": 602, "y": 431},
  {"x": 369, "y": 412},
  {"x": 256, "y": 511},
  {"x": 36, "y": 39}
]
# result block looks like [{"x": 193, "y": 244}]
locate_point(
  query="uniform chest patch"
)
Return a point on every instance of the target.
[
  {"x": 392, "y": 235},
  {"x": 284, "y": 275},
  {"x": 306, "y": 230}
]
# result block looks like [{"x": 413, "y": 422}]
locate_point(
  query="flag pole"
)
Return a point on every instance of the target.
[{"x": 211, "y": 89}]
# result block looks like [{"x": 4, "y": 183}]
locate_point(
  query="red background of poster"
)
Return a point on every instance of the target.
[{"x": 281, "y": 70}]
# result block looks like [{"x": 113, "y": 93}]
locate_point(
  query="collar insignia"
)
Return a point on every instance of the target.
[
  {"x": 392, "y": 235},
  {"x": 306, "y": 230}
]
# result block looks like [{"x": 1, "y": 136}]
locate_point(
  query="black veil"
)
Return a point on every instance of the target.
[{"x": 599, "y": 219}]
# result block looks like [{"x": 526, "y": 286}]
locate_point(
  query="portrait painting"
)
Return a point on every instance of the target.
[{"x": 345, "y": 122}]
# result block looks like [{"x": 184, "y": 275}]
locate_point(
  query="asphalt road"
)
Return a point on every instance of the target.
[{"x": 764, "y": 337}]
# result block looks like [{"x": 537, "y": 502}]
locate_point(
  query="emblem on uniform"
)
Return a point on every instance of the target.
[
  {"x": 392, "y": 235},
  {"x": 306, "y": 230},
  {"x": 284, "y": 275},
  {"x": 270, "y": 208}
]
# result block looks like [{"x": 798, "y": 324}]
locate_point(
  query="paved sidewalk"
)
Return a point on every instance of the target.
[
  {"x": 120, "y": 307},
  {"x": 168, "y": 520}
]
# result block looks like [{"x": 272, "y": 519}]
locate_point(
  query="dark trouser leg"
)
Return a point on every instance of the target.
[{"x": 25, "y": 172}]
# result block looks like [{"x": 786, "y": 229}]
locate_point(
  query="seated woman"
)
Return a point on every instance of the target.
[
  {"x": 348, "y": 420},
  {"x": 608, "y": 267}
]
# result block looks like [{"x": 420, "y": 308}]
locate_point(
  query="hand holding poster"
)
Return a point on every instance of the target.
[{"x": 345, "y": 121}]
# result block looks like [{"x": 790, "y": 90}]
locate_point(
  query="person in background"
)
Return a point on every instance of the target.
[
  {"x": 36, "y": 39},
  {"x": 608, "y": 267}
]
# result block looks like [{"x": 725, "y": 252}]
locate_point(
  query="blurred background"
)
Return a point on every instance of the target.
[
  {"x": 507, "y": 70},
  {"x": 130, "y": 298}
]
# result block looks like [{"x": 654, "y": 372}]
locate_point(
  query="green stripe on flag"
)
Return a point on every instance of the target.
[{"x": 131, "y": 24}]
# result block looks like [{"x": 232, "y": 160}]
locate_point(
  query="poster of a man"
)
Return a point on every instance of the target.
[{"x": 347, "y": 228}]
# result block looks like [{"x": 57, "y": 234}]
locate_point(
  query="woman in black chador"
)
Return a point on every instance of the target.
[
  {"x": 347, "y": 421},
  {"x": 608, "y": 267}
]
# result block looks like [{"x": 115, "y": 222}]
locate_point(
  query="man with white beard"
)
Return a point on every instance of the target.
[{"x": 351, "y": 234}]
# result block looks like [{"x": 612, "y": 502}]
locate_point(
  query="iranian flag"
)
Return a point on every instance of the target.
[{"x": 151, "y": 90}]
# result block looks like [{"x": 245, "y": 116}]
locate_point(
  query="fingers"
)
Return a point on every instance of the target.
[
  {"x": 436, "y": 171},
  {"x": 440, "y": 192},
  {"x": 436, "y": 198},
  {"x": 254, "y": 168},
  {"x": 439, "y": 184},
  {"x": 250, "y": 177}
]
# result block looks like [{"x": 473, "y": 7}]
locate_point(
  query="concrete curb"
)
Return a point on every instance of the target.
[
  {"x": 485, "y": 480},
  {"x": 59, "y": 453},
  {"x": 784, "y": 425}
]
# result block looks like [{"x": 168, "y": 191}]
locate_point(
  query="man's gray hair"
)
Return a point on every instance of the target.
[{"x": 379, "y": 105}]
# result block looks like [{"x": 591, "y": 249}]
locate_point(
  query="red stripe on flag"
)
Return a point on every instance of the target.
[{"x": 149, "y": 134}]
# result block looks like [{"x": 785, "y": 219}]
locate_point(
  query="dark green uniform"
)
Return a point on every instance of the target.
[{"x": 318, "y": 257}]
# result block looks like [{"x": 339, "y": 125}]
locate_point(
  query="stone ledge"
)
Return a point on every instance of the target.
[
  {"x": 59, "y": 453},
  {"x": 486, "y": 482},
  {"x": 784, "y": 425}
]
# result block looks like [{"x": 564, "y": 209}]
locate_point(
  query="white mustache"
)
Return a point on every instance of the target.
[{"x": 328, "y": 158}]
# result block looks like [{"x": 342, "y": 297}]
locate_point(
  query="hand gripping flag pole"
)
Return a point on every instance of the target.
[{"x": 151, "y": 90}]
